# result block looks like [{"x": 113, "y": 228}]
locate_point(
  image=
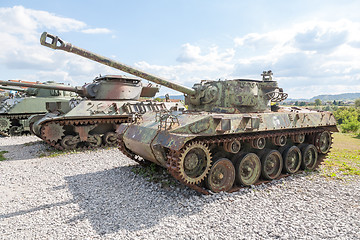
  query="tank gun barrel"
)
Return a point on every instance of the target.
[
  {"x": 78, "y": 90},
  {"x": 58, "y": 43},
  {"x": 13, "y": 88}
]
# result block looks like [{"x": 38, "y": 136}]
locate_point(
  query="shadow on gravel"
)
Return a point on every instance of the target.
[
  {"x": 23, "y": 151},
  {"x": 116, "y": 199},
  {"x": 35, "y": 209}
]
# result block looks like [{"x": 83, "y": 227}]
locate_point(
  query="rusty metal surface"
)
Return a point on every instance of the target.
[
  {"x": 174, "y": 156},
  {"x": 90, "y": 118}
]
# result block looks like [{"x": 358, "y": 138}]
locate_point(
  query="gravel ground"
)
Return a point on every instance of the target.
[{"x": 95, "y": 195}]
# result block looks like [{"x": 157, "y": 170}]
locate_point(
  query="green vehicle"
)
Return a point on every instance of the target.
[
  {"x": 15, "y": 111},
  {"x": 232, "y": 134},
  {"x": 107, "y": 102}
]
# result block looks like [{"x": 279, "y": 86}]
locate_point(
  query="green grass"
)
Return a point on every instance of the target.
[
  {"x": 344, "y": 158},
  {"x": 2, "y": 155},
  {"x": 55, "y": 153}
]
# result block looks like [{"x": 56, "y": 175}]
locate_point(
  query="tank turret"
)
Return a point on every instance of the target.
[
  {"x": 104, "y": 87},
  {"x": 229, "y": 96},
  {"x": 16, "y": 110}
]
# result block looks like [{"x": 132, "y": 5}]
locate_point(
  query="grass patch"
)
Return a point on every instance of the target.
[
  {"x": 55, "y": 153},
  {"x": 31, "y": 143},
  {"x": 2, "y": 158},
  {"x": 344, "y": 158}
]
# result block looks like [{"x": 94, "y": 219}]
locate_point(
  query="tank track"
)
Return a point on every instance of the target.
[
  {"x": 173, "y": 157},
  {"x": 16, "y": 117},
  {"x": 20, "y": 116},
  {"x": 78, "y": 122}
]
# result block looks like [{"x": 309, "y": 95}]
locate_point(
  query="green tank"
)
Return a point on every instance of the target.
[
  {"x": 16, "y": 110},
  {"x": 108, "y": 102},
  {"x": 232, "y": 135}
]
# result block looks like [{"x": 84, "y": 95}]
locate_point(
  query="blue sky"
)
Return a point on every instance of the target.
[{"x": 313, "y": 47}]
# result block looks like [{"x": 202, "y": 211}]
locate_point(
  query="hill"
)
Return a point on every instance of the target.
[{"x": 337, "y": 97}]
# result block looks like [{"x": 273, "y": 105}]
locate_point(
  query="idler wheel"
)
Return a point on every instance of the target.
[
  {"x": 70, "y": 142},
  {"x": 309, "y": 157},
  {"x": 233, "y": 146},
  {"x": 299, "y": 138},
  {"x": 258, "y": 143},
  {"x": 110, "y": 139},
  {"x": 271, "y": 164},
  {"x": 194, "y": 162},
  {"x": 221, "y": 176},
  {"x": 292, "y": 159},
  {"x": 94, "y": 140},
  {"x": 323, "y": 142},
  {"x": 247, "y": 169},
  {"x": 15, "y": 131}
]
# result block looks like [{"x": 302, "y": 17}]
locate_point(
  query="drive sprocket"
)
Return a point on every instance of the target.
[
  {"x": 4, "y": 124},
  {"x": 52, "y": 132},
  {"x": 194, "y": 162}
]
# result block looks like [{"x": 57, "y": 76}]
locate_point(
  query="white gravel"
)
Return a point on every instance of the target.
[{"x": 95, "y": 195}]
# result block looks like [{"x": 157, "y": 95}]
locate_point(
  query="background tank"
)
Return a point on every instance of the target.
[
  {"x": 230, "y": 137},
  {"x": 15, "y": 111},
  {"x": 108, "y": 102}
]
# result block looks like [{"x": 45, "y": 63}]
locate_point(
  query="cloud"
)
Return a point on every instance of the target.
[
  {"x": 20, "y": 20},
  {"x": 317, "y": 40},
  {"x": 20, "y": 30},
  {"x": 307, "y": 59},
  {"x": 96, "y": 31},
  {"x": 193, "y": 66}
]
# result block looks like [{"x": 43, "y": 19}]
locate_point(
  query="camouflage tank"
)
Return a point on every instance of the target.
[
  {"x": 229, "y": 137},
  {"x": 16, "y": 110},
  {"x": 108, "y": 102}
]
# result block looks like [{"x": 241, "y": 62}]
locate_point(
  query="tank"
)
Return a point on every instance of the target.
[
  {"x": 108, "y": 102},
  {"x": 17, "y": 108},
  {"x": 232, "y": 135}
]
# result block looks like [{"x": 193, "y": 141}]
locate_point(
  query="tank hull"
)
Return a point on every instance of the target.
[
  {"x": 15, "y": 112},
  {"x": 169, "y": 145},
  {"x": 91, "y": 123}
]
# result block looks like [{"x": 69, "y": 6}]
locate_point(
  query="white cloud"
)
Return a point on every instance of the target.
[
  {"x": 309, "y": 58},
  {"x": 194, "y": 65},
  {"x": 96, "y": 31},
  {"x": 20, "y": 30},
  {"x": 20, "y": 20}
]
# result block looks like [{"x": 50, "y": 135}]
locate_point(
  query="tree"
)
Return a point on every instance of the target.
[
  {"x": 317, "y": 102},
  {"x": 357, "y": 103},
  {"x": 348, "y": 119}
]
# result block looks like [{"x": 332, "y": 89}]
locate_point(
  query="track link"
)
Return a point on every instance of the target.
[
  {"x": 80, "y": 122},
  {"x": 173, "y": 157}
]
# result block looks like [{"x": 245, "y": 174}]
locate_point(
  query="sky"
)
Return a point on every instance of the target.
[{"x": 312, "y": 46}]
